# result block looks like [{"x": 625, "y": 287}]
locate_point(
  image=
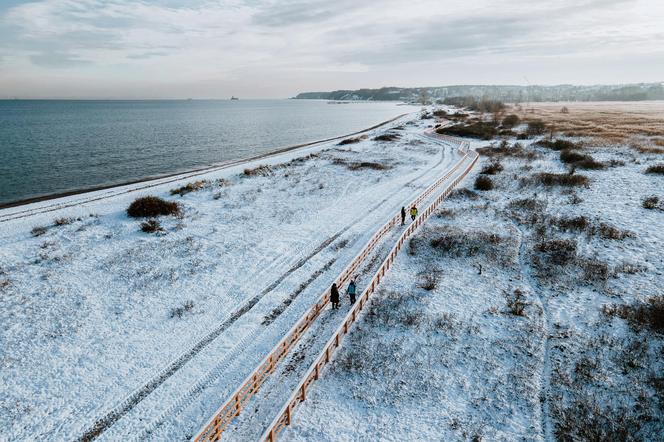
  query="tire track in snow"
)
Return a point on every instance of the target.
[{"x": 109, "y": 418}]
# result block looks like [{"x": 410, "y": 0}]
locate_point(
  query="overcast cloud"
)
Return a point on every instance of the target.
[{"x": 257, "y": 48}]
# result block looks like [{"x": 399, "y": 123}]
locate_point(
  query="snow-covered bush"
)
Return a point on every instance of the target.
[
  {"x": 483, "y": 183},
  {"x": 151, "y": 206}
]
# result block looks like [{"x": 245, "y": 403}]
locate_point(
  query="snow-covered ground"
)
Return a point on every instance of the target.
[
  {"x": 110, "y": 331},
  {"x": 534, "y": 347}
]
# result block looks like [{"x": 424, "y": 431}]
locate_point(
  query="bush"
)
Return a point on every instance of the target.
[
  {"x": 536, "y": 127},
  {"x": 180, "y": 311},
  {"x": 38, "y": 231},
  {"x": 262, "y": 170},
  {"x": 151, "y": 226},
  {"x": 63, "y": 221},
  {"x": 656, "y": 169},
  {"x": 483, "y": 183},
  {"x": 559, "y": 251},
  {"x": 648, "y": 314},
  {"x": 511, "y": 120},
  {"x": 564, "y": 110},
  {"x": 565, "y": 180},
  {"x": 516, "y": 303},
  {"x": 579, "y": 223},
  {"x": 522, "y": 136},
  {"x": 348, "y": 141},
  {"x": 651, "y": 202},
  {"x": 440, "y": 113},
  {"x": 608, "y": 231},
  {"x": 482, "y": 130},
  {"x": 589, "y": 164},
  {"x": 463, "y": 193},
  {"x": 570, "y": 156},
  {"x": 386, "y": 137},
  {"x": 428, "y": 281},
  {"x": 594, "y": 270},
  {"x": 368, "y": 165},
  {"x": 557, "y": 144},
  {"x": 190, "y": 187},
  {"x": 151, "y": 206},
  {"x": 492, "y": 169}
]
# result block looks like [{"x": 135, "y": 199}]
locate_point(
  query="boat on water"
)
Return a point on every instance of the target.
[{"x": 234, "y": 98}]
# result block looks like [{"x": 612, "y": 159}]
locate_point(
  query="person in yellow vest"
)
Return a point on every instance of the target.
[{"x": 413, "y": 213}]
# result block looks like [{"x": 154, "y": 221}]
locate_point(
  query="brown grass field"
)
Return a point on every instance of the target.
[{"x": 639, "y": 124}]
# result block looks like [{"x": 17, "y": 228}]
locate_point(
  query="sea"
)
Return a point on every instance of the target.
[{"x": 49, "y": 147}]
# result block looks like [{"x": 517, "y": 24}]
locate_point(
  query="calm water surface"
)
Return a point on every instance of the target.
[{"x": 48, "y": 147}]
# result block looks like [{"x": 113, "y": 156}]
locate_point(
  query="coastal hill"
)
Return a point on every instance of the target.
[{"x": 565, "y": 92}]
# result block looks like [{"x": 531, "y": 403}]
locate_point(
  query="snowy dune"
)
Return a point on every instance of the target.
[
  {"x": 444, "y": 353},
  {"x": 147, "y": 333}
]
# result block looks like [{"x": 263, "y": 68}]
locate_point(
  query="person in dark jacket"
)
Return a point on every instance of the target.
[
  {"x": 334, "y": 296},
  {"x": 351, "y": 291},
  {"x": 403, "y": 215}
]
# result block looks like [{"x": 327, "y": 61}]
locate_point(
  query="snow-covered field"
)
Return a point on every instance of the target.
[
  {"x": 112, "y": 332},
  {"x": 554, "y": 340}
]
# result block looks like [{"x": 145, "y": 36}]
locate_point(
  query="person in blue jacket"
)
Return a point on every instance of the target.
[{"x": 352, "y": 288}]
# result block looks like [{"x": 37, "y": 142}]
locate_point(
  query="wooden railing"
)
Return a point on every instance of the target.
[
  {"x": 233, "y": 406},
  {"x": 285, "y": 415}
]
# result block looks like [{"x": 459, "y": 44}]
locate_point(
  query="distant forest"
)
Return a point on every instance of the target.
[{"x": 508, "y": 94}]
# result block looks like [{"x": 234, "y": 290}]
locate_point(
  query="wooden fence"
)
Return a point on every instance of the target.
[
  {"x": 213, "y": 430},
  {"x": 285, "y": 415}
]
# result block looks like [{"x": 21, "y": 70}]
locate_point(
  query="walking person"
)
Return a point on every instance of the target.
[
  {"x": 334, "y": 296},
  {"x": 403, "y": 215},
  {"x": 413, "y": 213},
  {"x": 352, "y": 288}
]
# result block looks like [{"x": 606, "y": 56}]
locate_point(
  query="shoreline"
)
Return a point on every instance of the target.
[{"x": 193, "y": 172}]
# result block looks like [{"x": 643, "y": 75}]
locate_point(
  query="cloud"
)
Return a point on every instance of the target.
[{"x": 183, "y": 43}]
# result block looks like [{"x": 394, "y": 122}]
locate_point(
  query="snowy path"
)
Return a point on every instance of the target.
[{"x": 98, "y": 292}]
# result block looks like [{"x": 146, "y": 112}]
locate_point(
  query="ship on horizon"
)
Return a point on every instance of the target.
[{"x": 234, "y": 98}]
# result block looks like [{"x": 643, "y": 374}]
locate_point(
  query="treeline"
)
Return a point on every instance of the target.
[{"x": 508, "y": 94}]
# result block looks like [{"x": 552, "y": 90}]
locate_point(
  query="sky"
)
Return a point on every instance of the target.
[{"x": 277, "y": 48}]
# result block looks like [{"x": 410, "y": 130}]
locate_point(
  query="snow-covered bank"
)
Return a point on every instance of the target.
[
  {"x": 533, "y": 348},
  {"x": 93, "y": 309}
]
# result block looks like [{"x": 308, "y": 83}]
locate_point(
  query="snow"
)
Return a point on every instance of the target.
[
  {"x": 454, "y": 363},
  {"x": 88, "y": 332}
]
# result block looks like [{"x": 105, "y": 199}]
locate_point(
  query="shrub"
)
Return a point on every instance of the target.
[
  {"x": 565, "y": 180},
  {"x": 558, "y": 251},
  {"x": 184, "y": 308},
  {"x": 151, "y": 206},
  {"x": 536, "y": 127},
  {"x": 608, "y": 231},
  {"x": 530, "y": 204},
  {"x": 522, "y": 136},
  {"x": 262, "y": 170},
  {"x": 516, "y": 303},
  {"x": 151, "y": 226},
  {"x": 463, "y": 193},
  {"x": 656, "y": 169},
  {"x": 429, "y": 280},
  {"x": 492, "y": 169},
  {"x": 386, "y": 137},
  {"x": 579, "y": 223},
  {"x": 648, "y": 314},
  {"x": 511, "y": 120},
  {"x": 482, "y": 130},
  {"x": 570, "y": 156},
  {"x": 594, "y": 270},
  {"x": 348, "y": 141},
  {"x": 190, "y": 187},
  {"x": 483, "y": 183},
  {"x": 440, "y": 113},
  {"x": 368, "y": 165},
  {"x": 38, "y": 231},
  {"x": 564, "y": 110},
  {"x": 63, "y": 221},
  {"x": 651, "y": 202},
  {"x": 590, "y": 164},
  {"x": 557, "y": 144}
]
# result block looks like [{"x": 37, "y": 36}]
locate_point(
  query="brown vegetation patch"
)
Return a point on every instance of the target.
[
  {"x": 558, "y": 179},
  {"x": 645, "y": 315},
  {"x": 152, "y": 206},
  {"x": 483, "y": 183},
  {"x": 190, "y": 187},
  {"x": 656, "y": 169}
]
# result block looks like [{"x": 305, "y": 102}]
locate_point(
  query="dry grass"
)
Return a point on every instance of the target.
[
  {"x": 606, "y": 121},
  {"x": 152, "y": 206}
]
